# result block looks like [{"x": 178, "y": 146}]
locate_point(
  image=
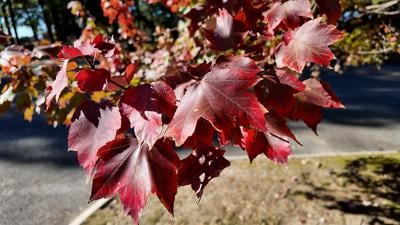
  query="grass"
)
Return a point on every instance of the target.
[{"x": 351, "y": 190}]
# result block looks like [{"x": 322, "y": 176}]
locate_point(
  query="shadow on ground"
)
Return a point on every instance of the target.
[
  {"x": 36, "y": 142},
  {"x": 371, "y": 96},
  {"x": 376, "y": 177}
]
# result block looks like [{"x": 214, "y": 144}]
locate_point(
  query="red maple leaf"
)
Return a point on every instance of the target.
[
  {"x": 133, "y": 171},
  {"x": 86, "y": 136},
  {"x": 296, "y": 100},
  {"x": 145, "y": 105},
  {"x": 308, "y": 43},
  {"x": 91, "y": 80},
  {"x": 308, "y": 103},
  {"x": 287, "y": 15},
  {"x": 69, "y": 52},
  {"x": 276, "y": 148},
  {"x": 222, "y": 97}
]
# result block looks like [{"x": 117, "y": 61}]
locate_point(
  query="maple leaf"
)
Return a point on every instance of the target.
[
  {"x": 69, "y": 52},
  {"x": 202, "y": 136},
  {"x": 200, "y": 167},
  {"x": 331, "y": 8},
  {"x": 290, "y": 79},
  {"x": 222, "y": 97},
  {"x": 91, "y": 80},
  {"x": 105, "y": 46},
  {"x": 308, "y": 103},
  {"x": 308, "y": 43},
  {"x": 276, "y": 93},
  {"x": 133, "y": 171},
  {"x": 224, "y": 31},
  {"x": 318, "y": 93},
  {"x": 274, "y": 147},
  {"x": 287, "y": 15},
  {"x": 145, "y": 105},
  {"x": 296, "y": 100},
  {"x": 86, "y": 136}
]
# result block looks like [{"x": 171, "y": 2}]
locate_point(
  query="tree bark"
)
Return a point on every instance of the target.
[
  {"x": 6, "y": 22},
  {"x": 57, "y": 21},
  {"x": 13, "y": 21},
  {"x": 31, "y": 23},
  {"x": 1, "y": 25},
  {"x": 47, "y": 20}
]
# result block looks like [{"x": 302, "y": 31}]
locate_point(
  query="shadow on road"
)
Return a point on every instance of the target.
[
  {"x": 371, "y": 96},
  {"x": 35, "y": 142}
]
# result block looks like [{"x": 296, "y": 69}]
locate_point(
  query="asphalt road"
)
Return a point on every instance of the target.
[{"x": 40, "y": 182}]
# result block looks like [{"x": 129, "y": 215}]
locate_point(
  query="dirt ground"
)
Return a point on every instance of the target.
[{"x": 351, "y": 190}]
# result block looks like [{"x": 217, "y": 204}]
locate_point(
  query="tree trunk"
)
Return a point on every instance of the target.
[
  {"x": 31, "y": 23},
  {"x": 59, "y": 28},
  {"x": 6, "y": 22},
  {"x": 1, "y": 25},
  {"x": 13, "y": 21},
  {"x": 47, "y": 20}
]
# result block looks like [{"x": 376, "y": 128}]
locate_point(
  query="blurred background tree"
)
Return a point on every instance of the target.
[
  {"x": 372, "y": 31},
  {"x": 372, "y": 26}
]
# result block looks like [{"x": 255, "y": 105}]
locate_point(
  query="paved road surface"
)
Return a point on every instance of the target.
[{"x": 40, "y": 183}]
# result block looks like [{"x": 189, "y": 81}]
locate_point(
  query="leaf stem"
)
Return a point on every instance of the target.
[
  {"x": 117, "y": 84},
  {"x": 111, "y": 81}
]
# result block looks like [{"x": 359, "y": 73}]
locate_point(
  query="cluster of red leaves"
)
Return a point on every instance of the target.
[
  {"x": 173, "y": 5},
  {"x": 127, "y": 145},
  {"x": 118, "y": 10}
]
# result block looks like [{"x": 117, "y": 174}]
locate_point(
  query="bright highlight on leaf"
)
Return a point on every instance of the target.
[
  {"x": 308, "y": 43},
  {"x": 287, "y": 15}
]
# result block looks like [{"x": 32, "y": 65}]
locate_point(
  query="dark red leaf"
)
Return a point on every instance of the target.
[
  {"x": 145, "y": 106},
  {"x": 276, "y": 96},
  {"x": 277, "y": 125},
  {"x": 290, "y": 79},
  {"x": 274, "y": 147},
  {"x": 69, "y": 52},
  {"x": 331, "y": 8},
  {"x": 102, "y": 44},
  {"x": 90, "y": 80},
  {"x": 310, "y": 114},
  {"x": 202, "y": 136},
  {"x": 133, "y": 171},
  {"x": 200, "y": 167},
  {"x": 317, "y": 94}
]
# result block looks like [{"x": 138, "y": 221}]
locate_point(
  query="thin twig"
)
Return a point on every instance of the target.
[
  {"x": 382, "y": 6},
  {"x": 117, "y": 84},
  {"x": 375, "y": 52}
]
